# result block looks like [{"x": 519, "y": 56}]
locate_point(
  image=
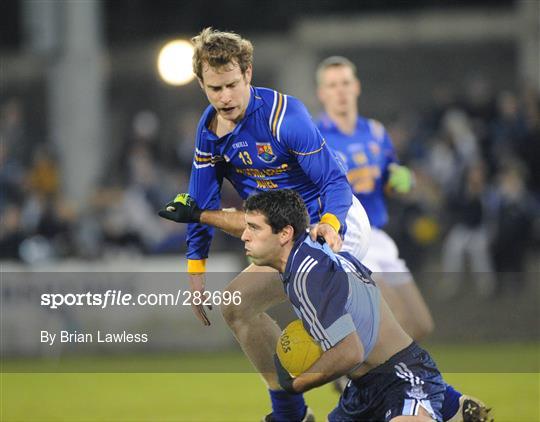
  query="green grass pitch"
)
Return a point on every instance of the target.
[{"x": 514, "y": 391}]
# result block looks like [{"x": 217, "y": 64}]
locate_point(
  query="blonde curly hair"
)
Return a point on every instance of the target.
[{"x": 217, "y": 49}]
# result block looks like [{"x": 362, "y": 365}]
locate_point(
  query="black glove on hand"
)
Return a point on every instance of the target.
[
  {"x": 284, "y": 378},
  {"x": 183, "y": 209}
]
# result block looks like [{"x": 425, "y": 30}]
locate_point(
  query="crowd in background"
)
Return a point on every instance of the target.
[
  {"x": 477, "y": 193},
  {"x": 474, "y": 155}
]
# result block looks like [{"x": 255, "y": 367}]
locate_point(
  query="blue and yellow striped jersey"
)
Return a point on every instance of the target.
[
  {"x": 275, "y": 146},
  {"x": 366, "y": 155}
]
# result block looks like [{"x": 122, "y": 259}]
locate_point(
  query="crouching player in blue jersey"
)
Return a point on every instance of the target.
[
  {"x": 396, "y": 377},
  {"x": 391, "y": 377},
  {"x": 366, "y": 151},
  {"x": 258, "y": 139}
]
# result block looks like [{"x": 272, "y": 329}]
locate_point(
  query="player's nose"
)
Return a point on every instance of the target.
[
  {"x": 225, "y": 97},
  {"x": 244, "y": 236}
]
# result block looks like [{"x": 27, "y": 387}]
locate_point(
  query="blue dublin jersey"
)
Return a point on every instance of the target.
[
  {"x": 333, "y": 294},
  {"x": 366, "y": 155},
  {"x": 275, "y": 146}
]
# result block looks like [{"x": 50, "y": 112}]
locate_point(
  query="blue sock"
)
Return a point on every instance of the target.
[
  {"x": 451, "y": 402},
  {"x": 287, "y": 407}
]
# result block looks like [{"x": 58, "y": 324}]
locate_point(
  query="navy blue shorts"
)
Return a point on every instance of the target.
[{"x": 400, "y": 386}]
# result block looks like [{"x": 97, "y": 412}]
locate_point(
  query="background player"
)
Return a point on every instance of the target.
[
  {"x": 392, "y": 378},
  {"x": 364, "y": 147},
  {"x": 258, "y": 139}
]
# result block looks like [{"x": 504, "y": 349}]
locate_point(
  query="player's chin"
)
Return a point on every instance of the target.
[
  {"x": 254, "y": 260},
  {"x": 230, "y": 114}
]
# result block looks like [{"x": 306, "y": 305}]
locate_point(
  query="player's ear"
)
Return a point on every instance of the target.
[
  {"x": 287, "y": 234},
  {"x": 201, "y": 83},
  {"x": 358, "y": 87}
]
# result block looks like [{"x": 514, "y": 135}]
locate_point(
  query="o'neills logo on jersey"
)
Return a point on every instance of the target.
[{"x": 265, "y": 153}]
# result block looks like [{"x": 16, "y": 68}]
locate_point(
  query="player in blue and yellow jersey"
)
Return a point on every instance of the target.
[
  {"x": 259, "y": 140},
  {"x": 391, "y": 377},
  {"x": 366, "y": 151}
]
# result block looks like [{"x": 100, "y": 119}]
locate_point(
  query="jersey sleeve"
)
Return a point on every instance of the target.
[
  {"x": 301, "y": 137},
  {"x": 320, "y": 294},
  {"x": 205, "y": 187}
]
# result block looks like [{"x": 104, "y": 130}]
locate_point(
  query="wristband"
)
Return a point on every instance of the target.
[
  {"x": 332, "y": 220},
  {"x": 196, "y": 266}
]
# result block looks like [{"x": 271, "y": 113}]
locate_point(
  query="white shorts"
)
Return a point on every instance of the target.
[
  {"x": 357, "y": 237},
  {"x": 383, "y": 257}
]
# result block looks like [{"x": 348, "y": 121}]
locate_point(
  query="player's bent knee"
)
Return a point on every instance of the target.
[
  {"x": 258, "y": 289},
  {"x": 245, "y": 309}
]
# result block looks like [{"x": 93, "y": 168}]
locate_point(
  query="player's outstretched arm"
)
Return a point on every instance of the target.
[
  {"x": 184, "y": 209},
  {"x": 231, "y": 221},
  {"x": 335, "y": 362}
]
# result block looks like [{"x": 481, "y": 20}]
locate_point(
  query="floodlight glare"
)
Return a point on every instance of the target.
[{"x": 174, "y": 62}]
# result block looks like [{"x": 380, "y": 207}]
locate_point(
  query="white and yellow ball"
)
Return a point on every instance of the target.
[{"x": 296, "y": 349}]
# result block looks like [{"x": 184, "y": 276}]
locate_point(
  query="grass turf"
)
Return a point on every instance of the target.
[{"x": 512, "y": 388}]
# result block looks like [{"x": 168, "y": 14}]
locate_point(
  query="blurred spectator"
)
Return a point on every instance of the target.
[
  {"x": 56, "y": 225},
  {"x": 11, "y": 179},
  {"x": 457, "y": 125},
  {"x": 11, "y": 235},
  {"x": 529, "y": 144},
  {"x": 506, "y": 129},
  {"x": 126, "y": 219},
  {"x": 13, "y": 131},
  {"x": 468, "y": 237},
  {"x": 515, "y": 211},
  {"x": 478, "y": 100},
  {"x": 443, "y": 164},
  {"x": 43, "y": 175},
  {"x": 509, "y": 123},
  {"x": 186, "y": 128},
  {"x": 143, "y": 134},
  {"x": 144, "y": 174}
]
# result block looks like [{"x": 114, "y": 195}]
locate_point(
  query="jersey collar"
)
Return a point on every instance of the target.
[
  {"x": 298, "y": 242},
  {"x": 255, "y": 101},
  {"x": 327, "y": 123}
]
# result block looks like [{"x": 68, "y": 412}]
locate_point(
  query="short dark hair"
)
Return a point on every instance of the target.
[{"x": 281, "y": 208}]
